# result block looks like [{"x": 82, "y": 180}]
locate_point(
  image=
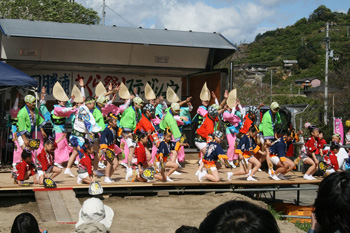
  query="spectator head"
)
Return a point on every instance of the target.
[
  {"x": 336, "y": 138},
  {"x": 314, "y": 131},
  {"x": 335, "y": 147},
  {"x": 332, "y": 204},
  {"x": 25, "y": 223},
  {"x": 187, "y": 229},
  {"x": 239, "y": 217},
  {"x": 94, "y": 211}
]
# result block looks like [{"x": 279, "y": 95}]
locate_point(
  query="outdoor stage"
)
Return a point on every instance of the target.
[{"x": 187, "y": 182}]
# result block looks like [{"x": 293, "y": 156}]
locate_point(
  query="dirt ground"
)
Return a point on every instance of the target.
[{"x": 138, "y": 213}]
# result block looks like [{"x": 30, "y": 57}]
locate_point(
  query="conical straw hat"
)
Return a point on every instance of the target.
[
  {"x": 205, "y": 93},
  {"x": 59, "y": 93},
  {"x": 78, "y": 96},
  {"x": 232, "y": 97},
  {"x": 124, "y": 92},
  {"x": 171, "y": 96},
  {"x": 100, "y": 89},
  {"x": 149, "y": 93}
]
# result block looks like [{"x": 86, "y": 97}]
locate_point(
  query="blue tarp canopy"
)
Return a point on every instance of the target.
[{"x": 10, "y": 76}]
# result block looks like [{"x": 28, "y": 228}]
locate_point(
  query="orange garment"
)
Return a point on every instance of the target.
[
  {"x": 206, "y": 128},
  {"x": 247, "y": 123}
]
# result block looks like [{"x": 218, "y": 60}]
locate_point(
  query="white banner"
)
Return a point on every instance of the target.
[
  {"x": 158, "y": 84},
  {"x": 67, "y": 79}
]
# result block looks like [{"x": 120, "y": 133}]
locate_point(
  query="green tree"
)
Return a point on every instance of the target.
[
  {"x": 62, "y": 11},
  {"x": 322, "y": 13}
]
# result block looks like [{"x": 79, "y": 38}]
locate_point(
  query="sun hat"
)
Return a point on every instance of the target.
[
  {"x": 59, "y": 93},
  {"x": 29, "y": 99},
  {"x": 78, "y": 96},
  {"x": 171, "y": 96},
  {"x": 124, "y": 92},
  {"x": 274, "y": 105},
  {"x": 100, "y": 89},
  {"x": 94, "y": 211},
  {"x": 232, "y": 98},
  {"x": 175, "y": 106},
  {"x": 205, "y": 93},
  {"x": 149, "y": 93}
]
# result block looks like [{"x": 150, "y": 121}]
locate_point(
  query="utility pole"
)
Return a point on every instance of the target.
[
  {"x": 271, "y": 89},
  {"x": 103, "y": 12},
  {"x": 326, "y": 77}
]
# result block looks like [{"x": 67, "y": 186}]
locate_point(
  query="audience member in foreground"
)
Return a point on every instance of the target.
[
  {"x": 239, "y": 217},
  {"x": 26, "y": 223},
  {"x": 94, "y": 216},
  {"x": 332, "y": 205}
]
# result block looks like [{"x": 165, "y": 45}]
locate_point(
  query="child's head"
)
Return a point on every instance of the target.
[
  {"x": 25, "y": 222},
  {"x": 142, "y": 136},
  {"x": 112, "y": 120},
  {"x": 320, "y": 134},
  {"x": 314, "y": 131},
  {"x": 288, "y": 134},
  {"x": 335, "y": 147},
  {"x": 217, "y": 136},
  {"x": 167, "y": 134},
  {"x": 49, "y": 145},
  {"x": 88, "y": 147},
  {"x": 26, "y": 156},
  {"x": 253, "y": 130}
]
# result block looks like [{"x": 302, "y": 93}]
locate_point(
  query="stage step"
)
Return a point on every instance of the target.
[{"x": 57, "y": 205}]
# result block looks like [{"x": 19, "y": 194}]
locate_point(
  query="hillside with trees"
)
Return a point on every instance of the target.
[
  {"x": 63, "y": 11},
  {"x": 305, "y": 41}
]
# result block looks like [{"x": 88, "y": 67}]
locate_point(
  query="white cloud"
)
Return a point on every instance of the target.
[{"x": 238, "y": 22}]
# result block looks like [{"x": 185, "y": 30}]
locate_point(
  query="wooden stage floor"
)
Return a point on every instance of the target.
[{"x": 187, "y": 178}]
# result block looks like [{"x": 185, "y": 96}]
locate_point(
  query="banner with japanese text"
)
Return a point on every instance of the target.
[
  {"x": 338, "y": 128},
  {"x": 158, "y": 84},
  {"x": 68, "y": 79}
]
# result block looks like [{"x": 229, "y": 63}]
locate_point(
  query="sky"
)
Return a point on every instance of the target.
[{"x": 237, "y": 20}]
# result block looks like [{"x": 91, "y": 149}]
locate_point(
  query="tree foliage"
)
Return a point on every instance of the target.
[{"x": 62, "y": 11}]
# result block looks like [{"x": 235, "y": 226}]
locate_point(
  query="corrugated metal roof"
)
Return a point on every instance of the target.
[{"x": 70, "y": 31}]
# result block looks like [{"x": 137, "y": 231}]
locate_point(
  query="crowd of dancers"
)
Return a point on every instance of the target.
[{"x": 142, "y": 134}]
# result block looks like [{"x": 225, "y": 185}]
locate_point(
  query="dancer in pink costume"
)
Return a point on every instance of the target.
[{"x": 232, "y": 123}]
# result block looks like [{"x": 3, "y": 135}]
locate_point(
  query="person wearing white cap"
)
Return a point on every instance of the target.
[
  {"x": 130, "y": 117},
  {"x": 169, "y": 120},
  {"x": 28, "y": 118},
  {"x": 269, "y": 120},
  {"x": 94, "y": 215}
]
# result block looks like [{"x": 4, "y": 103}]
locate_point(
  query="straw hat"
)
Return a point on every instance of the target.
[
  {"x": 59, "y": 93},
  {"x": 78, "y": 96},
  {"x": 124, "y": 92},
  {"x": 205, "y": 93},
  {"x": 171, "y": 96},
  {"x": 232, "y": 96},
  {"x": 100, "y": 89},
  {"x": 149, "y": 93}
]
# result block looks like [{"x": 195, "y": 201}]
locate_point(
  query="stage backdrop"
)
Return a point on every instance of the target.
[{"x": 68, "y": 79}]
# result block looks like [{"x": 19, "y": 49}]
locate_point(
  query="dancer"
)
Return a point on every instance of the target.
[
  {"x": 308, "y": 155},
  {"x": 270, "y": 119},
  {"x": 60, "y": 115},
  {"x": 85, "y": 173},
  {"x": 46, "y": 160},
  {"x": 232, "y": 121},
  {"x": 246, "y": 149},
  {"x": 24, "y": 169},
  {"x": 108, "y": 141},
  {"x": 213, "y": 153},
  {"x": 277, "y": 154},
  {"x": 165, "y": 149}
]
